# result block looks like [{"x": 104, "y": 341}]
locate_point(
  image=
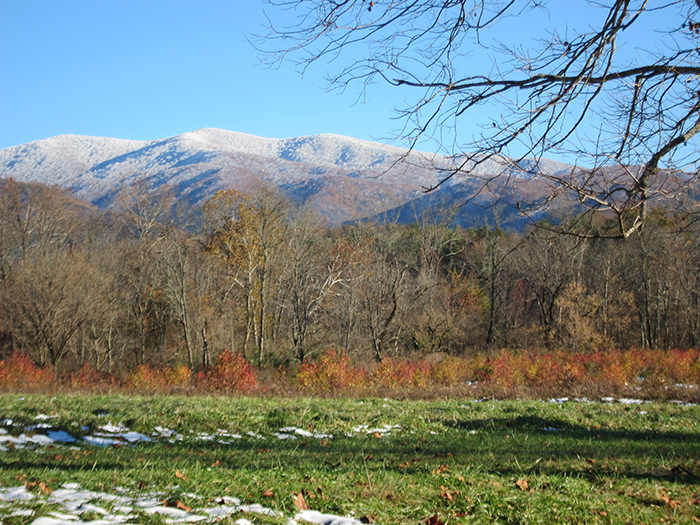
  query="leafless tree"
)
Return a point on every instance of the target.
[
  {"x": 33, "y": 217},
  {"x": 45, "y": 300},
  {"x": 312, "y": 273},
  {"x": 612, "y": 87},
  {"x": 175, "y": 262},
  {"x": 147, "y": 216}
]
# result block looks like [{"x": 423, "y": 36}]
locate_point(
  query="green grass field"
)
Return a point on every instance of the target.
[{"x": 387, "y": 462}]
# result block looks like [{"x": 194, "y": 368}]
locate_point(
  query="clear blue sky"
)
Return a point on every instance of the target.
[{"x": 150, "y": 69}]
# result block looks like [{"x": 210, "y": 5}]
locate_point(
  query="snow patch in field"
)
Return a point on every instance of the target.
[
  {"x": 382, "y": 431},
  {"x": 74, "y": 501},
  {"x": 96, "y": 441},
  {"x": 16, "y": 494},
  {"x": 61, "y": 436},
  {"x": 113, "y": 429},
  {"x": 23, "y": 440},
  {"x": 306, "y": 433},
  {"x": 626, "y": 401},
  {"x": 319, "y": 518}
]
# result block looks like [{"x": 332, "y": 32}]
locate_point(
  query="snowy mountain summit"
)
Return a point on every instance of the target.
[{"x": 343, "y": 178}]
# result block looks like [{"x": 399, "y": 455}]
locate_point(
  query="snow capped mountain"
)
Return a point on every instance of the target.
[{"x": 343, "y": 178}]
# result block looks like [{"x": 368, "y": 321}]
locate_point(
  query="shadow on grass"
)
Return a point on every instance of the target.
[
  {"x": 551, "y": 426},
  {"x": 500, "y": 446}
]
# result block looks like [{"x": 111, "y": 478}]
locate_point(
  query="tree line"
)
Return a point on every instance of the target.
[{"x": 152, "y": 282}]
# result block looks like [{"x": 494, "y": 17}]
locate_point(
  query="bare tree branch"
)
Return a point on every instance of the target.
[{"x": 617, "y": 92}]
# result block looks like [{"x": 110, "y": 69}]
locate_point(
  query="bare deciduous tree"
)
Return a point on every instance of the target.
[
  {"x": 612, "y": 86},
  {"x": 313, "y": 272},
  {"x": 45, "y": 301}
]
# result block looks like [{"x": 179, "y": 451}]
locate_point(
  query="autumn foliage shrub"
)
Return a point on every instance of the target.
[
  {"x": 89, "y": 380},
  {"x": 147, "y": 379},
  {"x": 19, "y": 373},
  {"x": 650, "y": 373},
  {"x": 331, "y": 373},
  {"x": 231, "y": 374},
  {"x": 451, "y": 371},
  {"x": 401, "y": 373},
  {"x": 612, "y": 369}
]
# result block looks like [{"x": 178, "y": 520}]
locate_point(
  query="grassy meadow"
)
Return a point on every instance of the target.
[{"x": 378, "y": 460}]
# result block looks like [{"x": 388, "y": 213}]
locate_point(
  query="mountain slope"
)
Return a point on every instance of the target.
[{"x": 342, "y": 178}]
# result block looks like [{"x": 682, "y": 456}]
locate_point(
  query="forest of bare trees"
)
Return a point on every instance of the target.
[{"x": 148, "y": 282}]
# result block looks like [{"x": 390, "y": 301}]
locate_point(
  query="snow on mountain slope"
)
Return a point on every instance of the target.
[
  {"x": 342, "y": 178},
  {"x": 200, "y": 162},
  {"x": 60, "y": 157}
]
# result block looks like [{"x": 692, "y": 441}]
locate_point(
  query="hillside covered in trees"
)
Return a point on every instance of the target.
[{"x": 151, "y": 282}]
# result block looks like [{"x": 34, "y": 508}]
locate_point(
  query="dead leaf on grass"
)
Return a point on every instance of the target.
[
  {"x": 268, "y": 494},
  {"x": 180, "y": 505},
  {"x": 299, "y": 501},
  {"x": 449, "y": 495},
  {"x": 180, "y": 475},
  {"x": 434, "y": 520},
  {"x": 670, "y": 502},
  {"x": 440, "y": 470},
  {"x": 43, "y": 487},
  {"x": 522, "y": 484}
]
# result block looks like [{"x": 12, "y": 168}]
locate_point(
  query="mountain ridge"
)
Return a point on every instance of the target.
[{"x": 343, "y": 178}]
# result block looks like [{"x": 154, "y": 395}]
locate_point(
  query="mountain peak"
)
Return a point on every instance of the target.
[{"x": 342, "y": 178}]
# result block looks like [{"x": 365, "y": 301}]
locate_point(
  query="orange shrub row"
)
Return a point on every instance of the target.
[
  {"x": 231, "y": 374},
  {"x": 18, "y": 373},
  {"x": 614, "y": 368},
  {"x": 565, "y": 371},
  {"x": 334, "y": 373}
]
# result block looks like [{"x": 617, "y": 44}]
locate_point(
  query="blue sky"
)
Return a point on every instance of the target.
[{"x": 150, "y": 69}]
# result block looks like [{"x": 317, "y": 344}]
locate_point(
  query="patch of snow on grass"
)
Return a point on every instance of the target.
[
  {"x": 384, "y": 430},
  {"x": 61, "y": 436},
  {"x": 101, "y": 441},
  {"x": 74, "y": 501},
  {"x": 113, "y": 429},
  {"x": 313, "y": 516},
  {"x": 16, "y": 494},
  {"x": 306, "y": 433}
]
